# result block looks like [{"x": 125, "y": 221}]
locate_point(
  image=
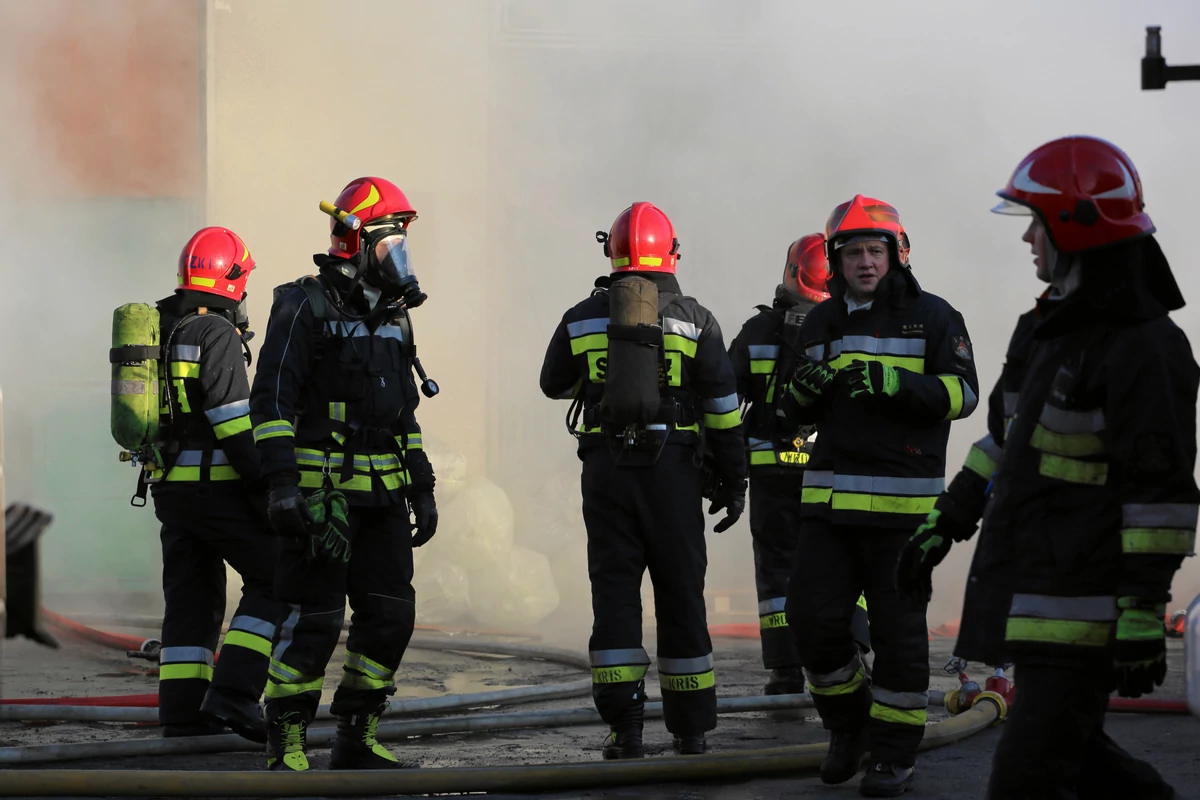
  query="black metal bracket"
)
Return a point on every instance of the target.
[{"x": 1155, "y": 72}]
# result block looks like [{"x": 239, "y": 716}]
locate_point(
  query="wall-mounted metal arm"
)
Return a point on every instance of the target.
[{"x": 1155, "y": 72}]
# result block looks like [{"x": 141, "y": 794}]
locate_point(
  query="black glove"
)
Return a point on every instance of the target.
[
  {"x": 426, "y": 517},
  {"x": 924, "y": 550},
  {"x": 288, "y": 512},
  {"x": 810, "y": 380},
  {"x": 1140, "y": 649},
  {"x": 729, "y": 494}
]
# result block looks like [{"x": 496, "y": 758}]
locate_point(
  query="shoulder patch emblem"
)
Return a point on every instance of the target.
[{"x": 962, "y": 348}]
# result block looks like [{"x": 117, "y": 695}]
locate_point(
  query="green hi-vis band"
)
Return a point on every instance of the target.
[
  {"x": 876, "y": 503},
  {"x": 272, "y": 429},
  {"x": 1158, "y": 541},
  {"x": 900, "y": 716},
  {"x": 276, "y": 690},
  {"x": 1058, "y": 631},
  {"x": 1091, "y": 473},
  {"x": 723, "y": 422},
  {"x": 594, "y": 341},
  {"x": 631, "y": 674},
  {"x": 1066, "y": 444},
  {"x": 680, "y": 344},
  {"x": 232, "y": 427},
  {"x": 174, "y": 672},
  {"x": 954, "y": 391},
  {"x": 980, "y": 463},
  {"x": 184, "y": 474},
  {"x": 845, "y": 687},
  {"x": 762, "y": 366},
  {"x": 771, "y": 621},
  {"x": 248, "y": 641},
  {"x": 687, "y": 683}
]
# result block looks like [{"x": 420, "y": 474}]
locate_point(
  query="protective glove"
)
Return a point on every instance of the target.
[
  {"x": 810, "y": 380},
  {"x": 1140, "y": 649},
  {"x": 288, "y": 512},
  {"x": 872, "y": 379},
  {"x": 425, "y": 511},
  {"x": 329, "y": 537},
  {"x": 729, "y": 494},
  {"x": 924, "y": 550}
]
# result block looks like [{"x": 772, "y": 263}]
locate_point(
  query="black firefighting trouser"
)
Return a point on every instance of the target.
[
  {"x": 838, "y": 562},
  {"x": 378, "y": 583},
  {"x": 637, "y": 519},
  {"x": 775, "y": 530},
  {"x": 203, "y": 526},
  {"x": 1054, "y": 746}
]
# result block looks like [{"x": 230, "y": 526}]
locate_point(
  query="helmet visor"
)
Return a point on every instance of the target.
[
  {"x": 1010, "y": 208},
  {"x": 392, "y": 259}
]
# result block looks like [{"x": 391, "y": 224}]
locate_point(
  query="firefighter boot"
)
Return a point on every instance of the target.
[
  {"x": 845, "y": 756},
  {"x": 356, "y": 746},
  {"x": 690, "y": 744},
  {"x": 241, "y": 714},
  {"x": 624, "y": 741},
  {"x": 785, "y": 680},
  {"x": 287, "y": 735},
  {"x": 886, "y": 780}
]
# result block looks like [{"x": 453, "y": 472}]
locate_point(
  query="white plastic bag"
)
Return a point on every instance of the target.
[
  {"x": 475, "y": 529},
  {"x": 517, "y": 592},
  {"x": 442, "y": 591}
]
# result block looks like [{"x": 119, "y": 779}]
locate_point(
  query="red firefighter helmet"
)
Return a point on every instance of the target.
[
  {"x": 642, "y": 239},
  {"x": 216, "y": 261},
  {"x": 373, "y": 201},
  {"x": 807, "y": 269},
  {"x": 865, "y": 218},
  {"x": 1085, "y": 190}
]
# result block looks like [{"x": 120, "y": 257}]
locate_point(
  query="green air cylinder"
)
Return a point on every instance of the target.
[
  {"x": 635, "y": 341},
  {"x": 134, "y": 357}
]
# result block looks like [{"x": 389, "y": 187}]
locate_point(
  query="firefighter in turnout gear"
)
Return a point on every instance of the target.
[
  {"x": 652, "y": 391},
  {"x": 761, "y": 353},
  {"x": 208, "y": 497},
  {"x": 1094, "y": 494},
  {"x": 886, "y": 367},
  {"x": 333, "y": 406}
]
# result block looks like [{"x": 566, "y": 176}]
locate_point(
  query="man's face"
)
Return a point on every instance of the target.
[
  {"x": 863, "y": 265},
  {"x": 1035, "y": 235}
]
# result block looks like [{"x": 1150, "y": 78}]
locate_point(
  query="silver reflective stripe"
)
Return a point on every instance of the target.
[
  {"x": 618, "y": 658},
  {"x": 285, "y": 632},
  {"x": 838, "y": 676},
  {"x": 1061, "y": 421},
  {"x": 685, "y": 666},
  {"x": 761, "y": 351},
  {"x": 874, "y": 346},
  {"x": 1090, "y": 609},
  {"x": 721, "y": 405},
  {"x": 587, "y": 326},
  {"x": 866, "y": 484},
  {"x": 131, "y": 387},
  {"x": 772, "y": 606},
  {"x": 970, "y": 400},
  {"x": 185, "y": 352},
  {"x": 360, "y": 663},
  {"x": 899, "y": 699},
  {"x": 761, "y": 444},
  {"x": 989, "y": 447},
  {"x": 656, "y": 426},
  {"x": 185, "y": 655},
  {"x": 680, "y": 328},
  {"x": 259, "y": 627},
  {"x": 816, "y": 351},
  {"x": 193, "y": 458},
  {"x": 820, "y": 478},
  {"x": 390, "y": 332},
  {"x": 1010, "y": 403},
  {"x": 1159, "y": 515},
  {"x": 238, "y": 408}
]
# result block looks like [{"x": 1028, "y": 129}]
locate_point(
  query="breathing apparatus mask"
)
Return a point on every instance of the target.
[{"x": 388, "y": 264}]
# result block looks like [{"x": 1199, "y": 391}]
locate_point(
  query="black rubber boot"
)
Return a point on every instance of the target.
[
  {"x": 624, "y": 741},
  {"x": 357, "y": 748},
  {"x": 691, "y": 744},
  {"x": 205, "y": 728},
  {"x": 242, "y": 715},
  {"x": 886, "y": 780},
  {"x": 287, "y": 736},
  {"x": 785, "y": 680},
  {"x": 845, "y": 756}
]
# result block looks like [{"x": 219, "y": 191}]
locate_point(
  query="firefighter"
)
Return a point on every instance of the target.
[
  {"x": 644, "y": 480},
  {"x": 886, "y": 367},
  {"x": 333, "y": 405},
  {"x": 208, "y": 500},
  {"x": 761, "y": 353},
  {"x": 1094, "y": 495}
]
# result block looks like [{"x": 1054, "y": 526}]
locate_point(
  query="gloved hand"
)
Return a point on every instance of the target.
[
  {"x": 924, "y": 550},
  {"x": 288, "y": 512},
  {"x": 425, "y": 511},
  {"x": 872, "y": 378},
  {"x": 810, "y": 379},
  {"x": 329, "y": 539},
  {"x": 729, "y": 494},
  {"x": 1140, "y": 651}
]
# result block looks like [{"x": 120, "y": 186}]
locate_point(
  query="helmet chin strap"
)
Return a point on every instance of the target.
[{"x": 1065, "y": 274}]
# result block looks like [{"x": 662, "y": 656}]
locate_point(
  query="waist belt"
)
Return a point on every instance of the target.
[{"x": 671, "y": 413}]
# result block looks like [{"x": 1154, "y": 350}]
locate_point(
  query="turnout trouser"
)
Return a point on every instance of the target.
[
  {"x": 638, "y": 519},
  {"x": 1053, "y": 745},
  {"x": 203, "y": 526},
  {"x": 838, "y": 562},
  {"x": 378, "y": 584}
]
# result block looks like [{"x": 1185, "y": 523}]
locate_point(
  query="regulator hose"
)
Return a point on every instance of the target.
[{"x": 458, "y": 780}]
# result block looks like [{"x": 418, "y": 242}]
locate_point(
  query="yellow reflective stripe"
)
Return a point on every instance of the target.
[
  {"x": 248, "y": 641},
  {"x": 909, "y": 363},
  {"x": 621, "y": 262},
  {"x": 772, "y": 621},
  {"x": 762, "y": 366},
  {"x": 1093, "y": 473},
  {"x": 687, "y": 683},
  {"x": 679, "y": 344},
  {"x": 900, "y": 716},
  {"x": 674, "y": 360},
  {"x": 1058, "y": 631},
  {"x": 848, "y": 687},
  {"x": 880, "y": 503},
  {"x": 954, "y": 391},
  {"x": 207, "y": 283},
  {"x": 618, "y": 674},
  {"x": 272, "y": 429},
  {"x": 1066, "y": 444},
  {"x": 414, "y": 441},
  {"x": 1157, "y": 541},
  {"x": 277, "y": 690},
  {"x": 761, "y": 457},
  {"x": 862, "y": 602},
  {"x": 358, "y": 483},
  {"x": 233, "y": 427},
  {"x": 649, "y": 261},
  {"x": 771, "y": 388},
  {"x": 723, "y": 422},
  {"x": 597, "y": 365},
  {"x": 594, "y": 341},
  {"x": 174, "y": 672},
  {"x": 337, "y": 412},
  {"x": 221, "y": 473},
  {"x": 355, "y": 680},
  {"x": 816, "y": 494},
  {"x": 185, "y": 369},
  {"x": 980, "y": 463},
  {"x": 793, "y": 457}
]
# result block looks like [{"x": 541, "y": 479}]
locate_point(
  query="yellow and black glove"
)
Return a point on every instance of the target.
[
  {"x": 1139, "y": 648},
  {"x": 872, "y": 379},
  {"x": 810, "y": 380},
  {"x": 329, "y": 533}
]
